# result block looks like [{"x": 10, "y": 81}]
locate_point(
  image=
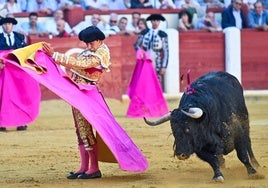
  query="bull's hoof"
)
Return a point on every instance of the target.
[
  {"x": 219, "y": 179},
  {"x": 251, "y": 170}
]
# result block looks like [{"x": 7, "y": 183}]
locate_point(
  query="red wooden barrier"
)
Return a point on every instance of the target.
[
  {"x": 201, "y": 52},
  {"x": 254, "y": 59}
]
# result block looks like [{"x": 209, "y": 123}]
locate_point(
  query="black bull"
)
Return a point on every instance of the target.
[{"x": 211, "y": 121}]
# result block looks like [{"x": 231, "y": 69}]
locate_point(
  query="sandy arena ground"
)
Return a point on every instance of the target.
[{"x": 47, "y": 151}]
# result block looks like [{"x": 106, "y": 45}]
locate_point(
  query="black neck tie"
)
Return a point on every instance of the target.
[{"x": 9, "y": 40}]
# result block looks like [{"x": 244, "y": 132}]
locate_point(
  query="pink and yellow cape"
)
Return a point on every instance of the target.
[{"x": 41, "y": 68}]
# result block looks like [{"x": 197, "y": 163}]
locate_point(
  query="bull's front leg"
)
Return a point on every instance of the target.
[{"x": 214, "y": 163}]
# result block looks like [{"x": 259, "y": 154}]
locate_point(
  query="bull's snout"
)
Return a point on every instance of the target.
[{"x": 182, "y": 156}]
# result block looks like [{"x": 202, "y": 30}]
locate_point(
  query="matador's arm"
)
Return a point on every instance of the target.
[{"x": 81, "y": 62}]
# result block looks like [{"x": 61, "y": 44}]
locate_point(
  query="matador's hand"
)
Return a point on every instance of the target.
[
  {"x": 163, "y": 71},
  {"x": 47, "y": 49}
]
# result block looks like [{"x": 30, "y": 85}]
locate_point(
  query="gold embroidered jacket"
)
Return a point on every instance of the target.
[{"x": 87, "y": 64}]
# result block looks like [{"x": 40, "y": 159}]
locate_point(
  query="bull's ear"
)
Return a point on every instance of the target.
[{"x": 193, "y": 112}]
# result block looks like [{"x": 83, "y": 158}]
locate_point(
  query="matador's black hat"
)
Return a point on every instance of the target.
[
  {"x": 8, "y": 20},
  {"x": 156, "y": 17},
  {"x": 91, "y": 34}
]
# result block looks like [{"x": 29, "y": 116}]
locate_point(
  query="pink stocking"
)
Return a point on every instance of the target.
[
  {"x": 93, "y": 157},
  {"x": 84, "y": 159}
]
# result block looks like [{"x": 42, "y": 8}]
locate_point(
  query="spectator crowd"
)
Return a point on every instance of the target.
[{"x": 192, "y": 15}]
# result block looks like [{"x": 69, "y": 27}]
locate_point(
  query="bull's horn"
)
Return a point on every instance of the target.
[
  {"x": 163, "y": 119},
  {"x": 194, "y": 113}
]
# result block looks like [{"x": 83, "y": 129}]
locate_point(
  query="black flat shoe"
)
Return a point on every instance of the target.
[
  {"x": 90, "y": 176},
  {"x": 22, "y": 128},
  {"x": 73, "y": 175},
  {"x": 3, "y": 129}
]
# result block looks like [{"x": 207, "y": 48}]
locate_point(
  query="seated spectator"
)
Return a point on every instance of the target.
[
  {"x": 96, "y": 20},
  {"x": 258, "y": 18},
  {"x": 96, "y": 5},
  {"x": 127, "y": 3},
  {"x": 192, "y": 6},
  {"x": 116, "y": 5},
  {"x": 61, "y": 29},
  {"x": 23, "y": 5},
  {"x": 233, "y": 16},
  {"x": 185, "y": 21},
  {"x": 133, "y": 24},
  {"x": 165, "y": 4},
  {"x": 59, "y": 4},
  {"x": 33, "y": 27},
  {"x": 122, "y": 25},
  {"x": 249, "y": 3},
  {"x": 79, "y": 3},
  {"x": 140, "y": 4},
  {"x": 211, "y": 3},
  {"x": 142, "y": 25},
  {"x": 12, "y": 6},
  {"x": 39, "y": 6},
  {"x": 209, "y": 23},
  {"x": 265, "y": 3},
  {"x": 112, "y": 27},
  {"x": 227, "y": 3},
  {"x": 3, "y": 10},
  {"x": 51, "y": 26}
]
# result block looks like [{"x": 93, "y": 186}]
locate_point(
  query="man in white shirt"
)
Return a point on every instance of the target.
[
  {"x": 133, "y": 24},
  {"x": 59, "y": 4},
  {"x": 233, "y": 16},
  {"x": 97, "y": 5},
  {"x": 165, "y": 4},
  {"x": 96, "y": 20},
  {"x": 38, "y": 6},
  {"x": 51, "y": 26},
  {"x": 112, "y": 27},
  {"x": 116, "y": 5}
]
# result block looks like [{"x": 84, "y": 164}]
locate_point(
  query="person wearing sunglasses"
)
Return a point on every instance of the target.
[
  {"x": 233, "y": 16},
  {"x": 112, "y": 26}
]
